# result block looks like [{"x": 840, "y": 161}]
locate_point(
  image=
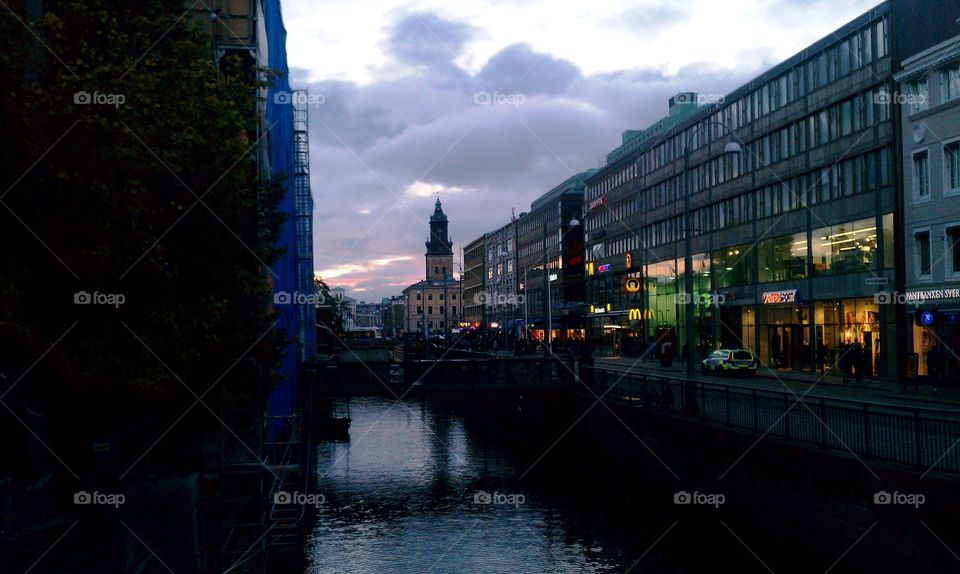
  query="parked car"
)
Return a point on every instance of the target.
[{"x": 729, "y": 361}]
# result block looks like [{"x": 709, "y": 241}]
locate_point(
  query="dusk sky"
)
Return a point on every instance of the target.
[{"x": 399, "y": 119}]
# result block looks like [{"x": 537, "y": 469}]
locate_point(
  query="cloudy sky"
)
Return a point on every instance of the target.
[{"x": 493, "y": 102}]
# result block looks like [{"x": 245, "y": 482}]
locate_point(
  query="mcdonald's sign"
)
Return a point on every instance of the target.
[
  {"x": 631, "y": 285},
  {"x": 637, "y": 314}
]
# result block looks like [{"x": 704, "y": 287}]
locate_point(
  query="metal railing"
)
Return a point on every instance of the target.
[
  {"x": 505, "y": 372},
  {"x": 927, "y": 438}
]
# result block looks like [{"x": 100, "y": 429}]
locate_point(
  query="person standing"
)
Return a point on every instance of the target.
[
  {"x": 822, "y": 352},
  {"x": 935, "y": 367},
  {"x": 859, "y": 360},
  {"x": 843, "y": 361}
]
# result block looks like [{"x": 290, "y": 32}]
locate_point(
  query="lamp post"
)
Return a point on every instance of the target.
[
  {"x": 526, "y": 320},
  {"x": 549, "y": 310},
  {"x": 731, "y": 148}
]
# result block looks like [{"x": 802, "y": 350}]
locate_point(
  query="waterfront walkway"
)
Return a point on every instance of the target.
[{"x": 830, "y": 385}]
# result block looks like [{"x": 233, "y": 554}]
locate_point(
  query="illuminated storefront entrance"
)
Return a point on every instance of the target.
[
  {"x": 844, "y": 322},
  {"x": 784, "y": 325},
  {"x": 934, "y": 316}
]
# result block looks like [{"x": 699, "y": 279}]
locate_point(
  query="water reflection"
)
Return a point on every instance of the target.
[
  {"x": 418, "y": 489},
  {"x": 402, "y": 496}
]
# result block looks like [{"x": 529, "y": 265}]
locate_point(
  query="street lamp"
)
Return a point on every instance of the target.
[{"x": 731, "y": 148}]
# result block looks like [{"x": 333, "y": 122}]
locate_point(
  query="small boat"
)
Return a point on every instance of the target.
[
  {"x": 332, "y": 423},
  {"x": 334, "y": 428}
]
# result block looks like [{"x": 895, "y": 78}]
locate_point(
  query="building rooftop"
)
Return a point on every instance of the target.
[{"x": 572, "y": 183}]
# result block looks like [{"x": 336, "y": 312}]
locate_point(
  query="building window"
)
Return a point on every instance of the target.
[
  {"x": 951, "y": 162},
  {"x": 921, "y": 176},
  {"x": 430, "y": 310},
  {"x": 922, "y": 239},
  {"x": 418, "y": 296},
  {"x": 783, "y": 258},
  {"x": 952, "y": 250},
  {"x": 845, "y": 248},
  {"x": 454, "y": 310},
  {"x": 429, "y": 296},
  {"x": 442, "y": 310},
  {"x": 454, "y": 296},
  {"x": 441, "y": 296},
  {"x": 920, "y": 95},
  {"x": 950, "y": 82},
  {"x": 732, "y": 266},
  {"x": 436, "y": 270},
  {"x": 419, "y": 310}
]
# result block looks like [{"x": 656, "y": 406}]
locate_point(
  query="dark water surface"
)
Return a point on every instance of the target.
[{"x": 406, "y": 495}]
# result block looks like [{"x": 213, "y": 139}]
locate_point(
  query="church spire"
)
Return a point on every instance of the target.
[{"x": 439, "y": 255}]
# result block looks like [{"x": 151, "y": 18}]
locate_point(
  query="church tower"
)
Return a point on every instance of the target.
[{"x": 439, "y": 249}]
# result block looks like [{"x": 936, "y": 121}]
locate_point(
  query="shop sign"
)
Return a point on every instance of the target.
[
  {"x": 603, "y": 268},
  {"x": 927, "y": 318},
  {"x": 774, "y": 297},
  {"x": 637, "y": 314},
  {"x": 599, "y": 310},
  {"x": 932, "y": 294},
  {"x": 631, "y": 285},
  {"x": 598, "y": 202},
  {"x": 629, "y": 260}
]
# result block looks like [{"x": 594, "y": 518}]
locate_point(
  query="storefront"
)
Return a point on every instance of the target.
[
  {"x": 934, "y": 316},
  {"x": 845, "y": 322},
  {"x": 784, "y": 329},
  {"x": 785, "y": 335}
]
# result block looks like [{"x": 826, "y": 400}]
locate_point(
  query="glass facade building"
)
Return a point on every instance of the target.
[{"x": 790, "y": 236}]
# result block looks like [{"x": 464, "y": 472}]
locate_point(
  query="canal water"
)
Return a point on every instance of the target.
[{"x": 422, "y": 488}]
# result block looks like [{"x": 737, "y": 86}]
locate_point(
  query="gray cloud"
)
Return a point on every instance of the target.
[
  {"x": 369, "y": 142},
  {"x": 425, "y": 38},
  {"x": 517, "y": 68}
]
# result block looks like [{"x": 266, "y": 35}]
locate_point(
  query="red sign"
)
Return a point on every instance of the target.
[{"x": 602, "y": 200}]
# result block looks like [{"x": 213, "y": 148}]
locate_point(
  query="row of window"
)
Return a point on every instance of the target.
[
  {"x": 855, "y": 114},
  {"x": 850, "y": 247},
  {"x": 951, "y": 171},
  {"x": 924, "y": 261},
  {"x": 453, "y": 296},
  {"x": 919, "y": 89},
  {"x": 442, "y": 310},
  {"x": 860, "y": 174},
  {"x": 857, "y": 50},
  {"x": 850, "y": 116}
]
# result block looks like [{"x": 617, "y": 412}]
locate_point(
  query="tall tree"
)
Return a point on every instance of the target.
[{"x": 130, "y": 170}]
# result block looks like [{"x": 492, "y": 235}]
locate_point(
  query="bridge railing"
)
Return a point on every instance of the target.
[
  {"x": 927, "y": 438},
  {"x": 502, "y": 372}
]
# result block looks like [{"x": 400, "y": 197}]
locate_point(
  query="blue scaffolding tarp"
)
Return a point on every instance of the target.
[{"x": 286, "y": 279}]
